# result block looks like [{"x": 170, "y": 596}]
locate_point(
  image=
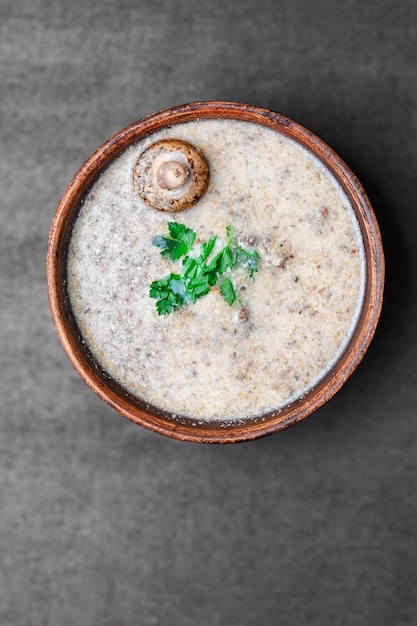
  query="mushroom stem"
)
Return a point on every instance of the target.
[{"x": 172, "y": 174}]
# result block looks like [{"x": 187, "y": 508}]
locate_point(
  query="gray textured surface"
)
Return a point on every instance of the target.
[{"x": 103, "y": 523}]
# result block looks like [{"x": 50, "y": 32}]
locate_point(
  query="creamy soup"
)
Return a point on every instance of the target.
[{"x": 209, "y": 360}]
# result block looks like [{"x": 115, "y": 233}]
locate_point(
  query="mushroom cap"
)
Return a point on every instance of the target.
[{"x": 171, "y": 175}]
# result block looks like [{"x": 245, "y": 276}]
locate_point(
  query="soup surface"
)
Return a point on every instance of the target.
[{"x": 209, "y": 360}]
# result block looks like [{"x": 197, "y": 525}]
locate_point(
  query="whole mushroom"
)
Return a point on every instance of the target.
[{"x": 171, "y": 175}]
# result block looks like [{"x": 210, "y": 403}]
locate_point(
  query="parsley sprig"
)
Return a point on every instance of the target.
[
  {"x": 201, "y": 270},
  {"x": 180, "y": 241}
]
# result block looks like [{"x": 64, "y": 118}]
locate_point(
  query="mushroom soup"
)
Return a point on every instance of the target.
[{"x": 290, "y": 321}]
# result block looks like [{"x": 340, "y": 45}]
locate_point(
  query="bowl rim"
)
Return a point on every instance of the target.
[{"x": 115, "y": 395}]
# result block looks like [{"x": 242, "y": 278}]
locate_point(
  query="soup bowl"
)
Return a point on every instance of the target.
[{"x": 85, "y": 356}]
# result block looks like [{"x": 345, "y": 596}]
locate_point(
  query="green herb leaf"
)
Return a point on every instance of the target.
[
  {"x": 212, "y": 278},
  {"x": 198, "y": 275},
  {"x": 198, "y": 289},
  {"x": 231, "y": 237},
  {"x": 171, "y": 248},
  {"x": 207, "y": 248},
  {"x": 164, "y": 307},
  {"x": 180, "y": 243},
  {"x": 228, "y": 291},
  {"x": 160, "y": 288},
  {"x": 170, "y": 292},
  {"x": 226, "y": 260},
  {"x": 190, "y": 268},
  {"x": 252, "y": 258},
  {"x": 182, "y": 233}
]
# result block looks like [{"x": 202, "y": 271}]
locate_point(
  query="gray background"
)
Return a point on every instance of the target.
[{"x": 104, "y": 523}]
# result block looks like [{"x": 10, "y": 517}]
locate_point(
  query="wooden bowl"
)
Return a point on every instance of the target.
[{"x": 112, "y": 392}]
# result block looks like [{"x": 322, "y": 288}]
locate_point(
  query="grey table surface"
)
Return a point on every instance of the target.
[{"x": 105, "y": 523}]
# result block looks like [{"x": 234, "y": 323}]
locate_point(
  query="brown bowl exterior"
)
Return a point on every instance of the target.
[{"x": 114, "y": 394}]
